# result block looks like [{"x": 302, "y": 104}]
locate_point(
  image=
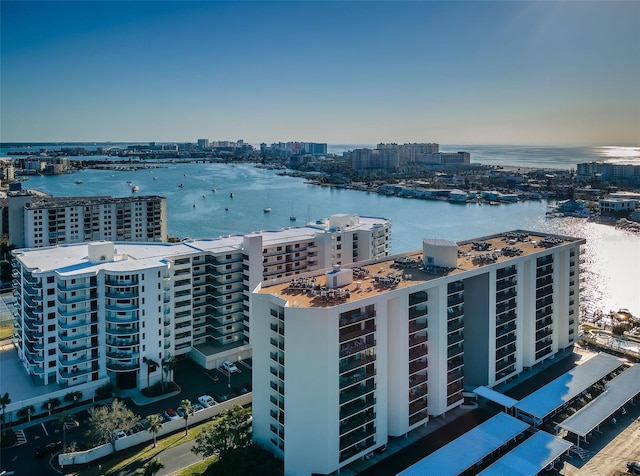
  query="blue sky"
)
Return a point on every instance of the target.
[{"x": 340, "y": 72}]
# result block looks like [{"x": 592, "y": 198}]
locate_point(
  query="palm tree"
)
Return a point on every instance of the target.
[
  {"x": 62, "y": 419},
  {"x": 4, "y": 401},
  {"x": 151, "y": 367},
  {"x": 155, "y": 423},
  {"x": 187, "y": 407}
]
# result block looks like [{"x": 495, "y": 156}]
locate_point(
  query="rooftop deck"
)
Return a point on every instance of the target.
[{"x": 407, "y": 269}]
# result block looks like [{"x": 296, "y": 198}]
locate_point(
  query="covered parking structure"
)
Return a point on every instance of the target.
[
  {"x": 618, "y": 392},
  {"x": 530, "y": 457},
  {"x": 469, "y": 449},
  {"x": 500, "y": 398},
  {"x": 557, "y": 394}
]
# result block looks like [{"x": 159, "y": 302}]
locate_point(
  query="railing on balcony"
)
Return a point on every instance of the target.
[{"x": 352, "y": 332}]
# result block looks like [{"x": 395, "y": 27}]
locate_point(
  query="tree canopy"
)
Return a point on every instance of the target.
[
  {"x": 105, "y": 420},
  {"x": 232, "y": 430}
]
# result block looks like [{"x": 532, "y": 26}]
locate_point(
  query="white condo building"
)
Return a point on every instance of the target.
[
  {"x": 345, "y": 358},
  {"x": 90, "y": 311},
  {"x": 36, "y": 221}
]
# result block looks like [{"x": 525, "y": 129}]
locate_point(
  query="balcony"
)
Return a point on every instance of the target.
[
  {"x": 355, "y": 407},
  {"x": 506, "y": 283},
  {"x": 543, "y": 344},
  {"x": 417, "y": 340},
  {"x": 505, "y": 351},
  {"x": 71, "y": 336},
  {"x": 356, "y": 437},
  {"x": 69, "y": 324},
  {"x": 357, "y": 392},
  {"x": 455, "y": 363},
  {"x": 503, "y": 330},
  {"x": 129, "y": 306},
  {"x": 357, "y": 421},
  {"x": 544, "y": 333},
  {"x": 416, "y": 312},
  {"x": 455, "y": 312},
  {"x": 505, "y": 340},
  {"x": 417, "y": 366},
  {"x": 455, "y": 325},
  {"x": 506, "y": 272},
  {"x": 77, "y": 360},
  {"x": 455, "y": 338},
  {"x": 415, "y": 327},
  {"x": 112, "y": 293},
  {"x": 352, "y": 363},
  {"x": 347, "y": 334},
  {"x": 503, "y": 364},
  {"x": 123, "y": 355},
  {"x": 123, "y": 330},
  {"x": 455, "y": 350},
  {"x": 115, "y": 319},
  {"x": 547, "y": 270},
  {"x": 417, "y": 352},
  {"x": 542, "y": 323},
  {"x": 454, "y": 376},
  {"x": 115, "y": 366},
  {"x": 417, "y": 406},
  {"x": 504, "y": 295},
  {"x": 506, "y": 317},
  {"x": 455, "y": 300},
  {"x": 357, "y": 346}
]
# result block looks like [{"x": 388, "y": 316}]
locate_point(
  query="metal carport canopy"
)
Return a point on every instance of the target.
[
  {"x": 617, "y": 392},
  {"x": 470, "y": 448},
  {"x": 494, "y": 396},
  {"x": 530, "y": 457},
  {"x": 565, "y": 388}
]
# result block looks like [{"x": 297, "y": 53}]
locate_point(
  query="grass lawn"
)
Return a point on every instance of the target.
[
  {"x": 195, "y": 469},
  {"x": 6, "y": 331}
]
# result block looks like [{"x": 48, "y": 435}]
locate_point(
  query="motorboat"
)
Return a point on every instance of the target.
[
  {"x": 79, "y": 181},
  {"x": 135, "y": 189}
]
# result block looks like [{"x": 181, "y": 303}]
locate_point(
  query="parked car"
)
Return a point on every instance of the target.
[
  {"x": 229, "y": 366},
  {"x": 119, "y": 434},
  {"x": 171, "y": 414},
  {"x": 633, "y": 467},
  {"x": 198, "y": 407},
  {"x": 48, "y": 448},
  {"x": 206, "y": 401}
]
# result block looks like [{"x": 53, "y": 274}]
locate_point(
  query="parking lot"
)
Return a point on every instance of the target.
[
  {"x": 608, "y": 451},
  {"x": 192, "y": 380}
]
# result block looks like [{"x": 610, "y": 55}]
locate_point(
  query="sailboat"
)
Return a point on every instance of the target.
[
  {"x": 267, "y": 209},
  {"x": 292, "y": 217}
]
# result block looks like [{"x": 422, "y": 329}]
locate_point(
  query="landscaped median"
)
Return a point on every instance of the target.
[{"x": 146, "y": 437}]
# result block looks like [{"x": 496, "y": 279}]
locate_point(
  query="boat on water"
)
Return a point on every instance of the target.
[
  {"x": 231, "y": 195},
  {"x": 180, "y": 186},
  {"x": 129, "y": 182},
  {"x": 135, "y": 189},
  {"x": 194, "y": 205},
  {"x": 267, "y": 209},
  {"x": 292, "y": 218},
  {"x": 155, "y": 178},
  {"x": 79, "y": 181},
  {"x": 213, "y": 189},
  {"x": 204, "y": 195}
]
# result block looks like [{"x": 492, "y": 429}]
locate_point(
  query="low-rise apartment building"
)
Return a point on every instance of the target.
[{"x": 345, "y": 358}]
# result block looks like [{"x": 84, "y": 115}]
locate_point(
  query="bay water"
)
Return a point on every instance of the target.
[{"x": 612, "y": 256}]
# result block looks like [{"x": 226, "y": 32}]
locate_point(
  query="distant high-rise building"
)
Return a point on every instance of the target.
[
  {"x": 203, "y": 143},
  {"x": 36, "y": 221}
]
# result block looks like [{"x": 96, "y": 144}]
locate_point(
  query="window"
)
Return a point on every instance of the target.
[
  {"x": 51, "y": 352},
  {"x": 50, "y": 291},
  {"x": 50, "y": 279},
  {"x": 51, "y": 340},
  {"x": 52, "y": 363},
  {"x": 51, "y": 327}
]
